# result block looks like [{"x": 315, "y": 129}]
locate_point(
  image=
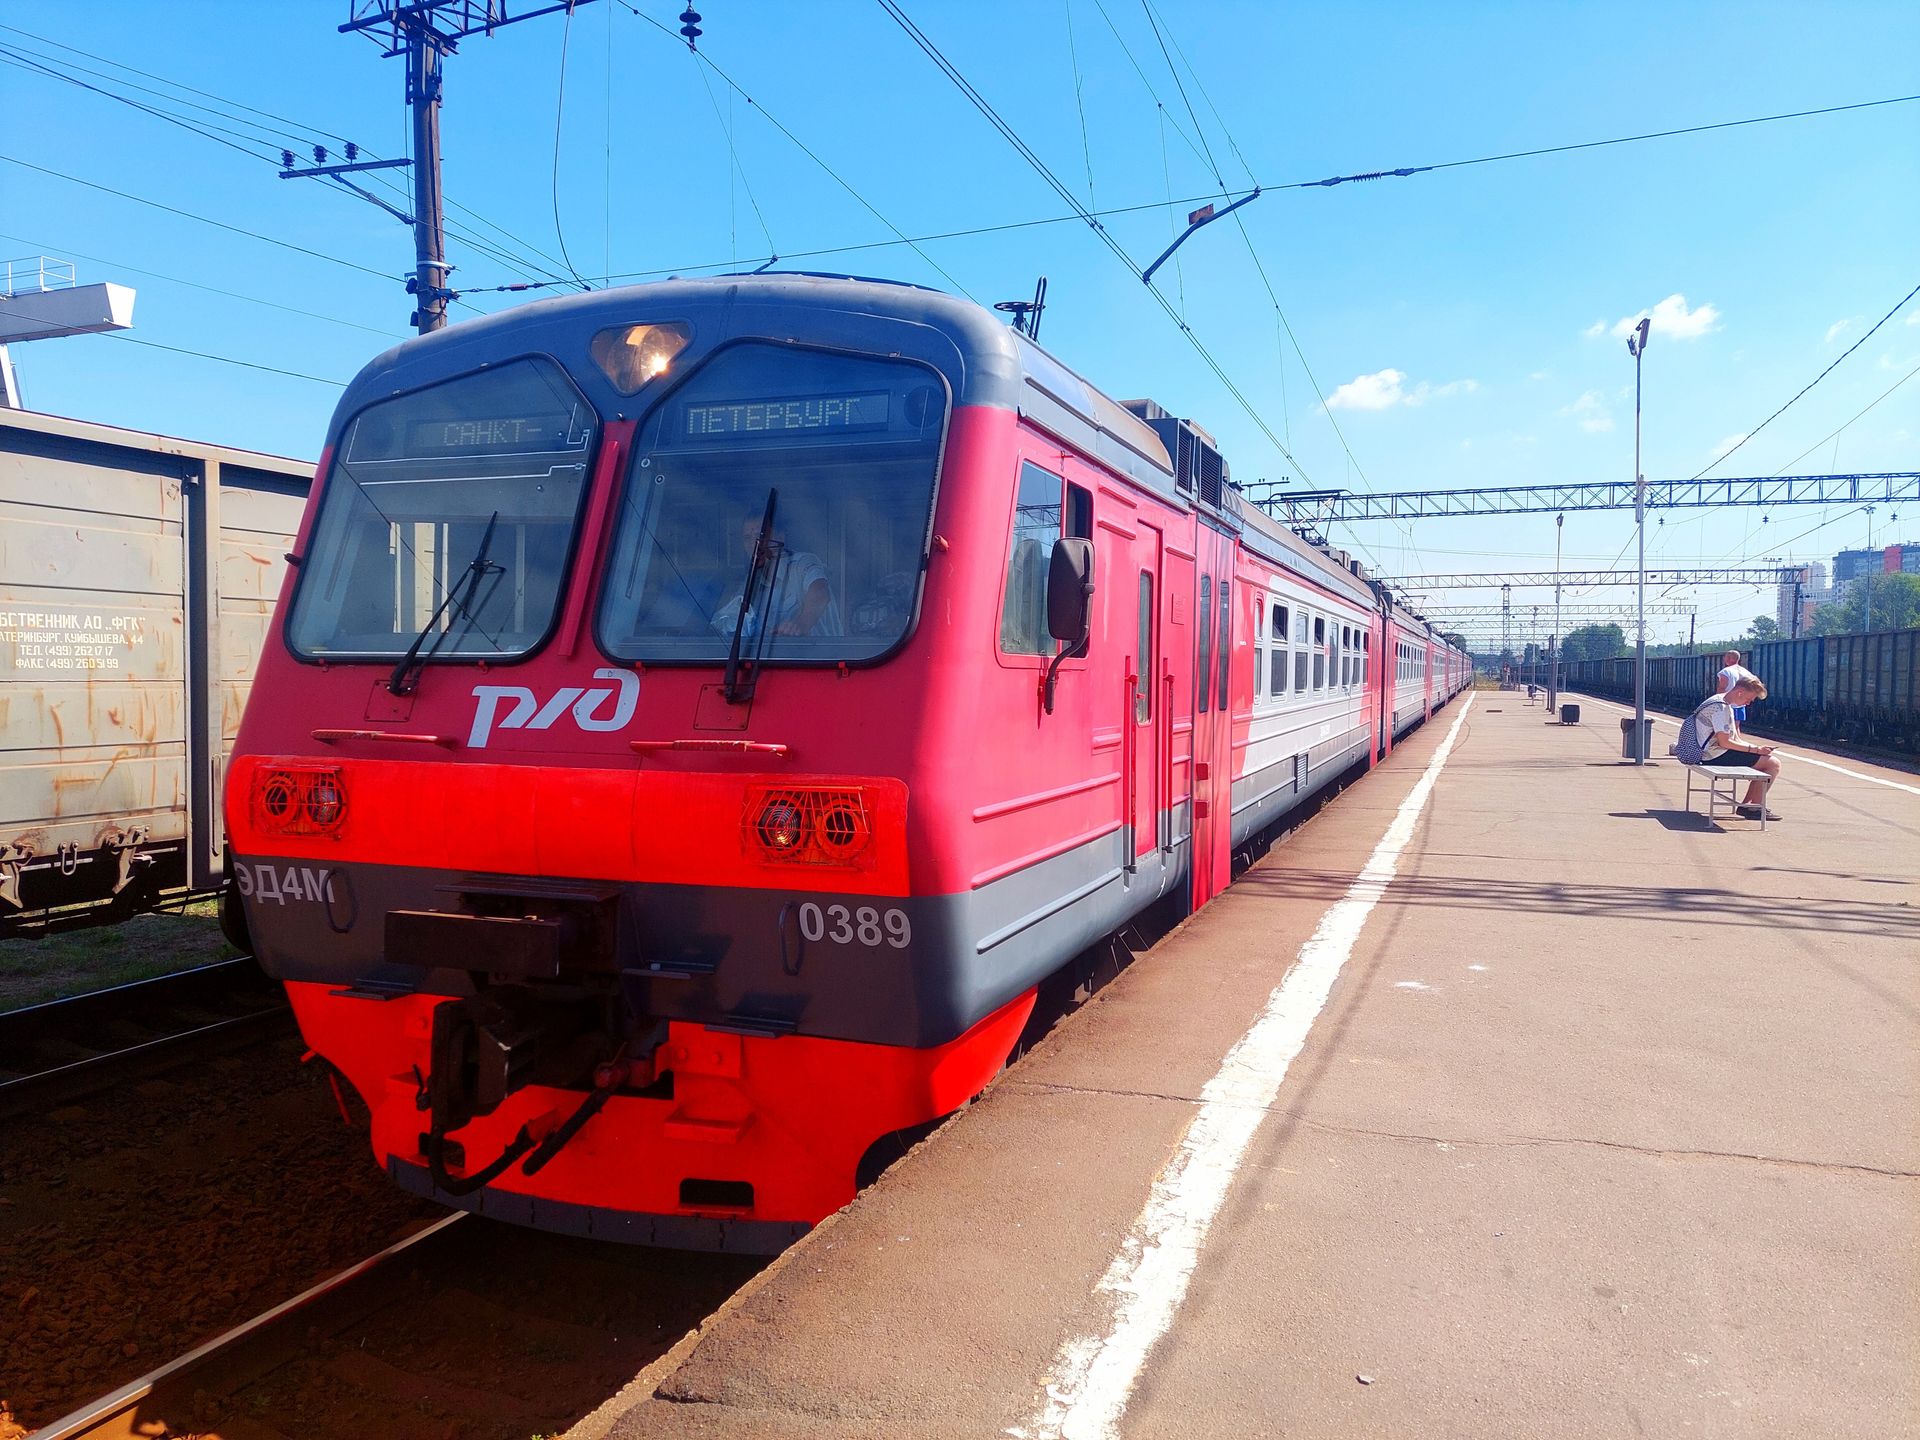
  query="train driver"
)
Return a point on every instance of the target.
[{"x": 802, "y": 602}]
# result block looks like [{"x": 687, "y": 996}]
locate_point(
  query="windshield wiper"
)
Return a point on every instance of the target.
[
  {"x": 732, "y": 689},
  {"x": 400, "y": 682}
]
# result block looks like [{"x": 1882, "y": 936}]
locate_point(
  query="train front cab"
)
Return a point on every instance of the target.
[{"x": 627, "y": 909}]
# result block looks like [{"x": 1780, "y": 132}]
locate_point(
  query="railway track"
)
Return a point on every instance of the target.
[
  {"x": 63, "y": 1049},
  {"x": 464, "y": 1327}
]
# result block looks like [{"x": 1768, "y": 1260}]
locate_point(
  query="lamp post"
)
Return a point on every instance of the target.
[
  {"x": 1637, "y": 347},
  {"x": 1553, "y": 662},
  {"x": 1866, "y": 619}
]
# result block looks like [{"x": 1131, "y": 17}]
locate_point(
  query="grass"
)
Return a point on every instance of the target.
[{"x": 39, "y": 968}]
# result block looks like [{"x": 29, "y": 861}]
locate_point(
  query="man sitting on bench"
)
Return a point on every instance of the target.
[{"x": 1713, "y": 735}]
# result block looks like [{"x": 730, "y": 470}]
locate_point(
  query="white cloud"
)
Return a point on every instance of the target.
[
  {"x": 1671, "y": 318},
  {"x": 1595, "y": 330},
  {"x": 1591, "y": 412},
  {"x": 1726, "y": 445},
  {"x": 1384, "y": 389},
  {"x": 1834, "y": 330},
  {"x": 1538, "y": 375},
  {"x": 1913, "y": 318}
]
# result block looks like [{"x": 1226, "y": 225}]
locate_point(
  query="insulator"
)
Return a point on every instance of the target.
[
  {"x": 319, "y": 154},
  {"x": 353, "y": 151},
  {"x": 690, "y": 25},
  {"x": 286, "y": 159}
]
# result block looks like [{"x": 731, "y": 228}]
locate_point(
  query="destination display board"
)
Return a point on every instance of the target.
[
  {"x": 493, "y": 435},
  {"x": 793, "y": 415}
]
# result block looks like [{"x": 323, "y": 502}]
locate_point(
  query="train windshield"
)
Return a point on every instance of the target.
[
  {"x": 847, "y": 446},
  {"x": 419, "y": 486}
]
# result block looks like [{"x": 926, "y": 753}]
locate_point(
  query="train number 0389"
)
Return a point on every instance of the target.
[{"x": 841, "y": 925}]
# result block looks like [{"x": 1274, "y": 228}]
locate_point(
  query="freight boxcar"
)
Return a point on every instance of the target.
[
  {"x": 137, "y": 577},
  {"x": 1870, "y": 687},
  {"x": 1795, "y": 672}
]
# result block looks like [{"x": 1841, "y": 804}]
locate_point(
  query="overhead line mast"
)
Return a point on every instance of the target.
[{"x": 426, "y": 32}]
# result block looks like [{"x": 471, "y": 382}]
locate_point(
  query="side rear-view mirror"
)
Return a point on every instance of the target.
[
  {"x": 1070, "y": 590},
  {"x": 1069, "y": 605}
]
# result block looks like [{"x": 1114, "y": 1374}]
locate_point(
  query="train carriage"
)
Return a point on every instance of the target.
[{"x": 701, "y": 714}]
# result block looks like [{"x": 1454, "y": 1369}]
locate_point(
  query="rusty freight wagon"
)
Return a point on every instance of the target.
[{"x": 137, "y": 577}]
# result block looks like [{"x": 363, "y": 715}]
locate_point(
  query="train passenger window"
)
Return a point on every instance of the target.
[
  {"x": 1366, "y": 657},
  {"x": 447, "y": 512},
  {"x": 1225, "y": 652},
  {"x": 1259, "y": 668},
  {"x": 1036, "y": 525},
  {"x": 1278, "y": 677},
  {"x": 1205, "y": 668},
  {"x": 1319, "y": 653},
  {"x": 1143, "y": 658},
  {"x": 1346, "y": 655},
  {"x": 1301, "y": 659},
  {"x": 1280, "y": 622},
  {"x": 844, "y": 447}
]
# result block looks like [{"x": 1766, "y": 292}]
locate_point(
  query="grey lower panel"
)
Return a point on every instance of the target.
[
  {"x": 740, "y": 957},
  {"x": 627, "y": 1227},
  {"x": 1261, "y": 798}
]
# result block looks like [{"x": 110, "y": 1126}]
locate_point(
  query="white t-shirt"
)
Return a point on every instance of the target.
[
  {"x": 798, "y": 571},
  {"x": 1713, "y": 716},
  {"x": 1733, "y": 675}
]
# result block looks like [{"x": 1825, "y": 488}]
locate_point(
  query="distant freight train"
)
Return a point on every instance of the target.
[
  {"x": 1860, "y": 689},
  {"x": 702, "y": 714},
  {"x": 137, "y": 576}
]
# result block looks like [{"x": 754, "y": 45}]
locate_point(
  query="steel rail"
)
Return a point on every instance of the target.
[
  {"x": 140, "y": 1000},
  {"x": 96, "y": 1416}
]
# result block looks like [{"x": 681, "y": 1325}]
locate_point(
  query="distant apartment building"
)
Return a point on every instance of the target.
[
  {"x": 1802, "y": 590},
  {"x": 1881, "y": 560}
]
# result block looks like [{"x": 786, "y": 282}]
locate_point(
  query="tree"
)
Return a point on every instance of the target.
[
  {"x": 1594, "y": 642},
  {"x": 1896, "y": 606},
  {"x": 1765, "y": 628}
]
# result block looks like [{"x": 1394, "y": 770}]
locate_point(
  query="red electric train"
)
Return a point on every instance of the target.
[{"x": 699, "y": 715}]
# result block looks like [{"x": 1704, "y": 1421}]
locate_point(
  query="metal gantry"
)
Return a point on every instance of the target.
[
  {"x": 1321, "y": 508},
  {"x": 1468, "y": 580},
  {"x": 1578, "y": 614}
]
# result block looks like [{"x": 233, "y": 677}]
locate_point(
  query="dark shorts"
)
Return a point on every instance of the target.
[{"x": 1734, "y": 758}]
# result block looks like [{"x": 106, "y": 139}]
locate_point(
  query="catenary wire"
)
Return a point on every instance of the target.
[
  {"x": 194, "y": 284},
  {"x": 271, "y": 147},
  {"x": 806, "y": 150},
  {"x": 202, "y": 219},
  {"x": 1901, "y": 305},
  {"x": 559, "y": 111},
  {"x": 199, "y": 354},
  {"x": 1041, "y": 168}
]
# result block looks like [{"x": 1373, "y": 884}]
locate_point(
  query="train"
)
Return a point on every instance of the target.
[
  {"x": 1860, "y": 689},
  {"x": 700, "y": 715},
  {"x": 137, "y": 579}
]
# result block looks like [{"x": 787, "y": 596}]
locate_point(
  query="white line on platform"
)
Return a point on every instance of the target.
[
  {"x": 1799, "y": 755},
  {"x": 1093, "y": 1376}
]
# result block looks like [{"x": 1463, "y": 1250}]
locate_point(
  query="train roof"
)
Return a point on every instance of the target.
[{"x": 985, "y": 362}]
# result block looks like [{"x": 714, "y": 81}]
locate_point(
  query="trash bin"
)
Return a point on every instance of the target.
[
  {"x": 1626, "y": 738},
  {"x": 1569, "y": 714}
]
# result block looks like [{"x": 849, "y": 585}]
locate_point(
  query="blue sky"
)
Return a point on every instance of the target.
[{"x": 1461, "y": 323}]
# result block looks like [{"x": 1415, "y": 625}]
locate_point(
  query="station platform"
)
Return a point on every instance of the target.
[{"x": 1504, "y": 1098}]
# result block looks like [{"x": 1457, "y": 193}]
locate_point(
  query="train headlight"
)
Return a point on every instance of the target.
[
  {"x": 631, "y": 355},
  {"x": 300, "y": 800},
  {"x": 809, "y": 825},
  {"x": 782, "y": 827}
]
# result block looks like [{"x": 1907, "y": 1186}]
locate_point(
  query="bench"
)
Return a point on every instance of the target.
[{"x": 1722, "y": 804}]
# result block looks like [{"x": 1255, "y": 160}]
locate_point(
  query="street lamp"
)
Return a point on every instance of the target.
[
  {"x": 1637, "y": 347},
  {"x": 1553, "y": 666}
]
